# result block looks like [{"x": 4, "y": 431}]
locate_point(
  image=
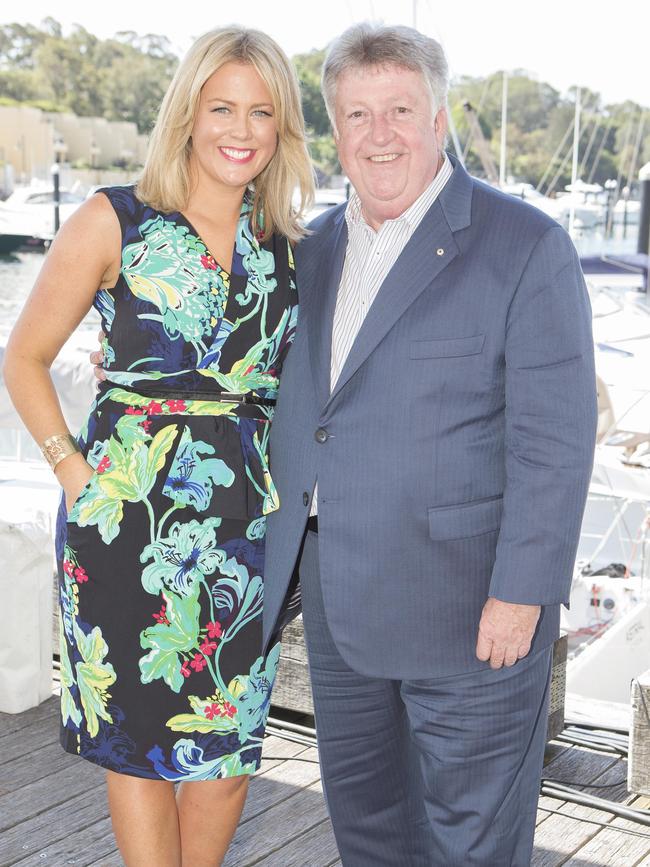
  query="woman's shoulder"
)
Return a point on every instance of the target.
[
  {"x": 131, "y": 211},
  {"x": 123, "y": 197}
]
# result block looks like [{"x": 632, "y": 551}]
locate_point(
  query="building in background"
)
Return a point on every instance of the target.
[{"x": 90, "y": 149}]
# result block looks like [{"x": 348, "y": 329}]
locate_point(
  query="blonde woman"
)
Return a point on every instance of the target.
[{"x": 163, "y": 679}]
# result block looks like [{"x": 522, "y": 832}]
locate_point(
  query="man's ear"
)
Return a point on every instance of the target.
[{"x": 441, "y": 123}]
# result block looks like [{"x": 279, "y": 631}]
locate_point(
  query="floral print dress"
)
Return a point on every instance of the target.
[{"x": 162, "y": 555}]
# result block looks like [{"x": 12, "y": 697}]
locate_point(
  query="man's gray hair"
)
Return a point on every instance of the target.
[{"x": 366, "y": 44}]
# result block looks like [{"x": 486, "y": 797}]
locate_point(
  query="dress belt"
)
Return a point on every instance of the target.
[{"x": 190, "y": 394}]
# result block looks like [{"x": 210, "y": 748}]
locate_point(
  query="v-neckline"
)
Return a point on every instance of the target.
[{"x": 197, "y": 235}]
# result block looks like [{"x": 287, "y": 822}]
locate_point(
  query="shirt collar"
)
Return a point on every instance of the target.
[{"x": 413, "y": 214}]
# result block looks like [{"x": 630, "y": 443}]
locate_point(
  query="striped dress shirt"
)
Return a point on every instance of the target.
[{"x": 369, "y": 257}]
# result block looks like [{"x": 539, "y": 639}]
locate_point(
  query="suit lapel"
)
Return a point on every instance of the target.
[
  {"x": 428, "y": 252},
  {"x": 326, "y": 276}
]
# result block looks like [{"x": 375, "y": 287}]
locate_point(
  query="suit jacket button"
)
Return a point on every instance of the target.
[
  {"x": 305, "y": 499},
  {"x": 321, "y": 435}
]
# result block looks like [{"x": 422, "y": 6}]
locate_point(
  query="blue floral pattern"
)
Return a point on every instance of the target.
[{"x": 163, "y": 674}]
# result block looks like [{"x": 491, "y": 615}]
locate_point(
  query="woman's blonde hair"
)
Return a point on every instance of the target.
[{"x": 166, "y": 179}]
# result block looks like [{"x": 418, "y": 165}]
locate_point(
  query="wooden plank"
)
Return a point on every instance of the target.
[
  {"x": 284, "y": 821},
  {"x": 112, "y": 859},
  {"x": 280, "y": 783},
  {"x": 41, "y": 731},
  {"x": 39, "y": 831},
  {"x": 612, "y": 848},
  {"x": 79, "y": 847},
  {"x": 558, "y": 838},
  {"x": 276, "y": 827},
  {"x": 640, "y": 734},
  {"x": 23, "y": 742},
  {"x": 47, "y": 792},
  {"x": 16, "y": 722},
  {"x": 561, "y": 838},
  {"x": 581, "y": 765},
  {"x": 554, "y": 749},
  {"x": 40, "y": 763},
  {"x": 292, "y": 687},
  {"x": 280, "y": 749},
  {"x": 317, "y": 848}
]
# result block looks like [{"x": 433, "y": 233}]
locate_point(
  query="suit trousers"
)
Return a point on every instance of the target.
[{"x": 440, "y": 772}]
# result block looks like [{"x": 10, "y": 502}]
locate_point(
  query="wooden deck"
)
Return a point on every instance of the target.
[{"x": 45, "y": 793}]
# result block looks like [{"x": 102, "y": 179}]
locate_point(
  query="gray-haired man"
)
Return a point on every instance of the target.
[{"x": 438, "y": 412}]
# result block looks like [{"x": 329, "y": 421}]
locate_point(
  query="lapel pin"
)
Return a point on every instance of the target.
[{"x": 440, "y": 252}]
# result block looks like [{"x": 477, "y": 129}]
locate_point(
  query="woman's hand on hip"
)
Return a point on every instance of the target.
[
  {"x": 74, "y": 473},
  {"x": 97, "y": 359}
]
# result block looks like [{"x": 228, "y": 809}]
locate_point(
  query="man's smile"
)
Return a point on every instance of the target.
[{"x": 383, "y": 158}]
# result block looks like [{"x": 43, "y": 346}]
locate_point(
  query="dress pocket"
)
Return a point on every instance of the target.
[
  {"x": 74, "y": 509},
  {"x": 93, "y": 450}
]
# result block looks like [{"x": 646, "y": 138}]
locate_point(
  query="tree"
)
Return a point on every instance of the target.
[{"x": 125, "y": 78}]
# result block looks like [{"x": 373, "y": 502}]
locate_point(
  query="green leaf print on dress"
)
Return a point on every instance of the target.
[
  {"x": 244, "y": 710},
  {"x": 167, "y": 640},
  {"x": 212, "y": 714},
  {"x": 93, "y": 676},
  {"x": 69, "y": 710},
  {"x": 127, "y": 471},
  {"x": 171, "y": 269}
]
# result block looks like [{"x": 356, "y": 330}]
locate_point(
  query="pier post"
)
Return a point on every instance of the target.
[
  {"x": 643, "y": 243},
  {"x": 57, "y": 196}
]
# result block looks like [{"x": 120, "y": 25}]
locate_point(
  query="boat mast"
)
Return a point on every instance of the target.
[
  {"x": 574, "y": 167},
  {"x": 504, "y": 122},
  {"x": 450, "y": 119}
]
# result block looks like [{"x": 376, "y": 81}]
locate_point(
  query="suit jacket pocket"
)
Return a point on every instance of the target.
[
  {"x": 447, "y": 523},
  {"x": 447, "y": 347}
]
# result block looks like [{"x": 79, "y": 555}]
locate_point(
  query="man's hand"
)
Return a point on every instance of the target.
[
  {"x": 97, "y": 357},
  {"x": 505, "y": 632}
]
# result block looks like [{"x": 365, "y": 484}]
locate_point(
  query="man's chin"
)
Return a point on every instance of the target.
[{"x": 385, "y": 207}]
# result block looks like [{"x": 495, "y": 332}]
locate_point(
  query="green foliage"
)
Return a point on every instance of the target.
[
  {"x": 321, "y": 144},
  {"x": 123, "y": 78},
  {"x": 540, "y": 130},
  {"x": 323, "y": 153},
  {"x": 308, "y": 66}
]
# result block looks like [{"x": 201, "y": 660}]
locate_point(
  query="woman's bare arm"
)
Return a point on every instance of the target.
[{"x": 84, "y": 257}]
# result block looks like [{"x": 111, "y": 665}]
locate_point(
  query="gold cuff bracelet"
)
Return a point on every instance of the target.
[{"x": 57, "y": 447}]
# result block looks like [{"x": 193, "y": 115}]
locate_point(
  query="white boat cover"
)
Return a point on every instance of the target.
[
  {"x": 73, "y": 379},
  {"x": 26, "y": 634}
]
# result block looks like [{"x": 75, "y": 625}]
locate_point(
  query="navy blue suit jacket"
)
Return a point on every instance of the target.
[{"x": 460, "y": 434}]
